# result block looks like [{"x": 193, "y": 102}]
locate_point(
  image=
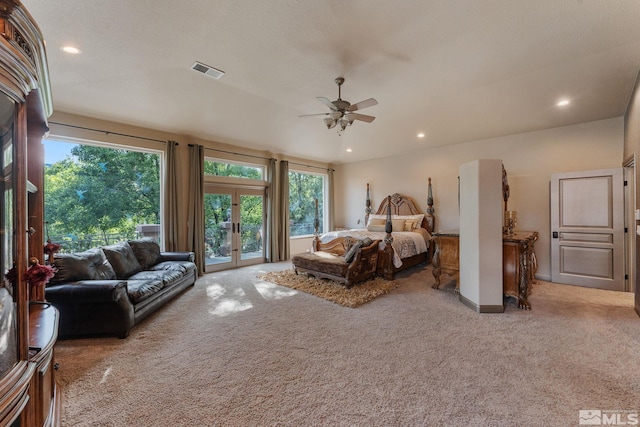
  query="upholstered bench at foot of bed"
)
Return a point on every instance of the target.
[{"x": 333, "y": 266}]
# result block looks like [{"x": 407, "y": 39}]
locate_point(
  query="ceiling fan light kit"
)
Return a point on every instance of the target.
[{"x": 342, "y": 112}]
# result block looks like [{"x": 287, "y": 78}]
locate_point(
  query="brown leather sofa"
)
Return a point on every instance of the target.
[
  {"x": 345, "y": 260},
  {"x": 108, "y": 290}
]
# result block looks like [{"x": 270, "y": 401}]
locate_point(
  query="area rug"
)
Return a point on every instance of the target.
[{"x": 355, "y": 296}]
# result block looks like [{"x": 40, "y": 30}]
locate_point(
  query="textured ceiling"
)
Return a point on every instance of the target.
[{"x": 457, "y": 70}]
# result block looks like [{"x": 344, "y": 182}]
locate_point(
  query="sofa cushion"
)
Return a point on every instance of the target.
[
  {"x": 184, "y": 266},
  {"x": 88, "y": 265},
  {"x": 121, "y": 257},
  {"x": 147, "y": 252},
  {"x": 166, "y": 277},
  {"x": 139, "y": 290}
]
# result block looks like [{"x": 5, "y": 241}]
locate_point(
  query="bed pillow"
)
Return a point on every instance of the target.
[
  {"x": 375, "y": 218},
  {"x": 377, "y": 221},
  {"x": 376, "y": 228},
  {"x": 417, "y": 217}
]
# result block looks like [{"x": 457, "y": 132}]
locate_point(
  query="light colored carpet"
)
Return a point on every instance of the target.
[
  {"x": 358, "y": 294},
  {"x": 239, "y": 351}
]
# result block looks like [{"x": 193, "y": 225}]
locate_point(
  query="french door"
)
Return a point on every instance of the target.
[{"x": 234, "y": 227}]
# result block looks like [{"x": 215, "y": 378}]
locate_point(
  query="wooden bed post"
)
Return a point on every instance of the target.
[
  {"x": 388, "y": 240},
  {"x": 367, "y": 210}
]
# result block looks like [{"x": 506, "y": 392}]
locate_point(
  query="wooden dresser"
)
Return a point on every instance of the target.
[{"x": 519, "y": 262}]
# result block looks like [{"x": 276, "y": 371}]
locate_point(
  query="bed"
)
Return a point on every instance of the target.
[{"x": 399, "y": 249}]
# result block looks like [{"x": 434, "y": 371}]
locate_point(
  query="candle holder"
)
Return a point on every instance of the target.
[{"x": 510, "y": 221}]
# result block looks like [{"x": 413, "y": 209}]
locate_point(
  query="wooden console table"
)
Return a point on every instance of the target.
[{"x": 519, "y": 262}]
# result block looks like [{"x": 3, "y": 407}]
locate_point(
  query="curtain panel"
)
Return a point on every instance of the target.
[
  {"x": 273, "y": 213},
  {"x": 283, "y": 207},
  {"x": 195, "y": 220},
  {"x": 170, "y": 216}
]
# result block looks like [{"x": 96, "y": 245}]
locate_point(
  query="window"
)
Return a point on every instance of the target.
[
  {"x": 304, "y": 189},
  {"x": 236, "y": 170},
  {"x": 98, "y": 196}
]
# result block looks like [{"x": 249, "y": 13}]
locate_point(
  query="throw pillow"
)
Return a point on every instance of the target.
[
  {"x": 147, "y": 252},
  {"x": 88, "y": 265},
  {"x": 121, "y": 257},
  {"x": 398, "y": 224},
  {"x": 348, "y": 256}
]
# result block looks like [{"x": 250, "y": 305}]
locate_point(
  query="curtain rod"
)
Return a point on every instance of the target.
[
  {"x": 260, "y": 157},
  {"x": 106, "y": 132},
  {"x": 309, "y": 166},
  {"x": 235, "y": 154}
]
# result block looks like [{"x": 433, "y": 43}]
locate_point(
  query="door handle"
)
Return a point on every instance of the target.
[
  {"x": 555, "y": 234},
  {"x": 238, "y": 227},
  {"x": 233, "y": 227}
]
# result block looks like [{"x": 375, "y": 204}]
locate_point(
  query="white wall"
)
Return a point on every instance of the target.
[
  {"x": 529, "y": 158},
  {"x": 481, "y": 235}
]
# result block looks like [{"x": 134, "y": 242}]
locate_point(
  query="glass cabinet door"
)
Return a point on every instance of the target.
[{"x": 8, "y": 334}]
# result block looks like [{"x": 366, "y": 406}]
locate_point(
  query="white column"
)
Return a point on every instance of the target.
[{"x": 481, "y": 235}]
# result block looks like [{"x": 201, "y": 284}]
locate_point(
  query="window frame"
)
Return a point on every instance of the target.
[
  {"x": 139, "y": 149},
  {"x": 325, "y": 207}
]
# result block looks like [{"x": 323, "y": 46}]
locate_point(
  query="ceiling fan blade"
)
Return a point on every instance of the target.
[
  {"x": 363, "y": 104},
  {"x": 361, "y": 117},
  {"x": 326, "y": 102},
  {"x": 317, "y": 114}
]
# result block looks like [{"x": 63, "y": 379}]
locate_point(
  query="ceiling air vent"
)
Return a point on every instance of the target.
[{"x": 207, "y": 70}]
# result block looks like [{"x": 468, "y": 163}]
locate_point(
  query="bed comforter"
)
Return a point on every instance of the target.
[{"x": 405, "y": 243}]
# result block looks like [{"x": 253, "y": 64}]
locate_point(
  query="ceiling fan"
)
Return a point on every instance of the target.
[{"x": 342, "y": 112}]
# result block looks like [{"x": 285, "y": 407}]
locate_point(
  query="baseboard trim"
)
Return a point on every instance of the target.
[{"x": 481, "y": 308}]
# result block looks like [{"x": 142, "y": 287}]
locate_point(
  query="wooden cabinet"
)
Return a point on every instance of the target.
[
  {"x": 28, "y": 395},
  {"x": 519, "y": 262},
  {"x": 519, "y": 265},
  {"x": 43, "y": 332}
]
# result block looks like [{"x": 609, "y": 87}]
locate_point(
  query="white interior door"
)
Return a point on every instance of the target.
[{"x": 587, "y": 225}]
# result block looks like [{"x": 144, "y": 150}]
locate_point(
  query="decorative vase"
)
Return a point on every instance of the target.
[
  {"x": 36, "y": 291},
  {"x": 510, "y": 221}
]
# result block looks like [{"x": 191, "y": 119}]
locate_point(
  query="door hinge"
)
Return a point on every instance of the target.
[
  {"x": 626, "y": 277},
  {"x": 626, "y": 182},
  {"x": 626, "y": 229}
]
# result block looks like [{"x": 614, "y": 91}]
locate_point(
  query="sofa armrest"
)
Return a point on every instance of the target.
[
  {"x": 177, "y": 256},
  {"x": 87, "y": 291}
]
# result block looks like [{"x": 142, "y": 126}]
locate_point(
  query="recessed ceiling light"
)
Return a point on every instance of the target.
[
  {"x": 563, "y": 102},
  {"x": 420, "y": 135},
  {"x": 349, "y": 150},
  {"x": 70, "y": 49}
]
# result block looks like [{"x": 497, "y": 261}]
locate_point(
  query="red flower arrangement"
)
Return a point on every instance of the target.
[{"x": 38, "y": 273}]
